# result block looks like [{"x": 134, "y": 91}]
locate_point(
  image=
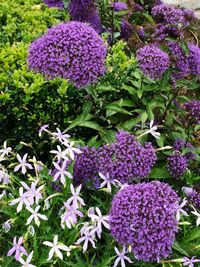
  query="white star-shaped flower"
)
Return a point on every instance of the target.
[
  {"x": 55, "y": 248},
  {"x": 36, "y": 216}
]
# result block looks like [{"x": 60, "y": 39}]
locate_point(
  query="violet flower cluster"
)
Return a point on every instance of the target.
[
  {"x": 193, "y": 195},
  {"x": 171, "y": 15},
  {"x": 118, "y": 6},
  {"x": 54, "y": 3},
  {"x": 125, "y": 160},
  {"x": 177, "y": 165},
  {"x": 143, "y": 216},
  {"x": 153, "y": 61},
  {"x": 193, "y": 109},
  {"x": 85, "y": 11},
  {"x": 181, "y": 144},
  {"x": 71, "y": 51}
]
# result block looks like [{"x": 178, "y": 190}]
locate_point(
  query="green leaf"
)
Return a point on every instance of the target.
[
  {"x": 144, "y": 117},
  {"x": 178, "y": 248},
  {"x": 130, "y": 89},
  {"x": 105, "y": 88},
  {"x": 117, "y": 109},
  {"x": 128, "y": 125},
  {"x": 91, "y": 124},
  {"x": 80, "y": 120},
  {"x": 159, "y": 173}
]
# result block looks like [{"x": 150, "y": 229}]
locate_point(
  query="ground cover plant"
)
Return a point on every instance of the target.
[{"x": 100, "y": 134}]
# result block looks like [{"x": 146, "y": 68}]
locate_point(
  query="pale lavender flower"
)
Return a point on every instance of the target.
[
  {"x": 4, "y": 177},
  {"x": 27, "y": 262},
  {"x": 43, "y": 129},
  {"x": 121, "y": 257},
  {"x": 196, "y": 214},
  {"x": 36, "y": 216},
  {"x": 33, "y": 193},
  {"x": 23, "y": 164},
  {"x": 189, "y": 262},
  {"x": 61, "y": 136},
  {"x": 86, "y": 238},
  {"x": 76, "y": 199},
  {"x": 60, "y": 154},
  {"x": 107, "y": 181},
  {"x": 22, "y": 200},
  {"x": 100, "y": 220},
  {"x": 69, "y": 218},
  {"x": 5, "y": 151},
  {"x": 71, "y": 151},
  {"x": 61, "y": 172},
  {"x": 17, "y": 248},
  {"x": 3, "y": 194},
  {"x": 7, "y": 225},
  {"x": 55, "y": 248},
  {"x": 152, "y": 130},
  {"x": 180, "y": 210}
]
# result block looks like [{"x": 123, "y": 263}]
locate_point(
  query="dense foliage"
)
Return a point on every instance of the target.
[{"x": 122, "y": 78}]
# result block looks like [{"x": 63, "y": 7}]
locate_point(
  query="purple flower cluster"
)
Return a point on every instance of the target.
[
  {"x": 177, "y": 165},
  {"x": 163, "y": 31},
  {"x": 85, "y": 11},
  {"x": 194, "y": 59},
  {"x": 181, "y": 144},
  {"x": 126, "y": 29},
  {"x": 125, "y": 160},
  {"x": 143, "y": 216},
  {"x": 71, "y": 51},
  {"x": 118, "y": 6},
  {"x": 170, "y": 15},
  {"x": 193, "y": 109},
  {"x": 153, "y": 61},
  {"x": 54, "y": 3},
  {"x": 193, "y": 196}
]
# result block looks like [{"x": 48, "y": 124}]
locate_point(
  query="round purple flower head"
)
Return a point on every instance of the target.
[
  {"x": 153, "y": 61},
  {"x": 126, "y": 29},
  {"x": 118, "y": 6},
  {"x": 177, "y": 165},
  {"x": 193, "y": 195},
  {"x": 170, "y": 15},
  {"x": 85, "y": 11},
  {"x": 125, "y": 160},
  {"x": 194, "y": 59},
  {"x": 143, "y": 216},
  {"x": 193, "y": 109},
  {"x": 71, "y": 51},
  {"x": 54, "y": 3},
  {"x": 181, "y": 144}
]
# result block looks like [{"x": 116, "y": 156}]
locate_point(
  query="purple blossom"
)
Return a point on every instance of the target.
[
  {"x": 170, "y": 15},
  {"x": 194, "y": 59},
  {"x": 143, "y": 216},
  {"x": 17, "y": 248},
  {"x": 177, "y": 165},
  {"x": 193, "y": 196},
  {"x": 190, "y": 262},
  {"x": 85, "y": 11},
  {"x": 118, "y": 6},
  {"x": 125, "y": 160},
  {"x": 70, "y": 50},
  {"x": 181, "y": 144},
  {"x": 54, "y": 3},
  {"x": 193, "y": 109},
  {"x": 126, "y": 29},
  {"x": 153, "y": 61}
]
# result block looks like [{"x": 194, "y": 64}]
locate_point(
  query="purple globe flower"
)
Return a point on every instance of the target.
[
  {"x": 125, "y": 160},
  {"x": 71, "y": 51},
  {"x": 85, "y": 11},
  {"x": 193, "y": 196},
  {"x": 126, "y": 29},
  {"x": 194, "y": 59},
  {"x": 177, "y": 165},
  {"x": 153, "y": 61},
  {"x": 143, "y": 216},
  {"x": 170, "y": 15},
  {"x": 193, "y": 109},
  {"x": 180, "y": 61},
  {"x": 54, "y": 3},
  {"x": 118, "y": 6},
  {"x": 181, "y": 144}
]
